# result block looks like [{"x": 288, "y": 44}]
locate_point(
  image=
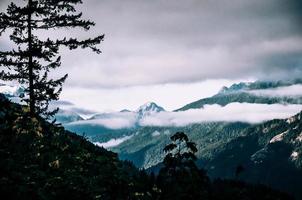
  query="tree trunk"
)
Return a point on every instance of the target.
[{"x": 30, "y": 63}]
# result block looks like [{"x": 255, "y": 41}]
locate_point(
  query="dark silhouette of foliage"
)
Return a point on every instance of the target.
[
  {"x": 180, "y": 175},
  {"x": 180, "y": 154},
  {"x": 32, "y": 59},
  {"x": 239, "y": 170},
  {"x": 238, "y": 190},
  {"x": 58, "y": 164}
]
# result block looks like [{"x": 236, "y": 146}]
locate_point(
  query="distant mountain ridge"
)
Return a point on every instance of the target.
[
  {"x": 11, "y": 90},
  {"x": 99, "y": 127},
  {"x": 258, "y": 85},
  {"x": 143, "y": 111},
  {"x": 65, "y": 116},
  {"x": 241, "y": 93}
]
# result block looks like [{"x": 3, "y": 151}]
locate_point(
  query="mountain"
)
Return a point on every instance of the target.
[
  {"x": 240, "y": 97},
  {"x": 144, "y": 143},
  {"x": 258, "y": 85},
  {"x": 65, "y": 116},
  {"x": 125, "y": 110},
  {"x": 145, "y": 148},
  {"x": 247, "y": 93},
  {"x": 271, "y": 153},
  {"x": 11, "y": 90},
  {"x": 148, "y": 109},
  {"x": 43, "y": 161},
  {"x": 143, "y": 111},
  {"x": 105, "y": 126}
]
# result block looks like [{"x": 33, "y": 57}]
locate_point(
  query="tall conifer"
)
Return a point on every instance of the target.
[{"x": 33, "y": 58}]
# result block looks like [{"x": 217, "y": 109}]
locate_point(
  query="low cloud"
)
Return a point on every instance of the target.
[
  {"x": 289, "y": 91},
  {"x": 111, "y": 121},
  {"x": 234, "y": 112},
  {"x": 243, "y": 112},
  {"x": 113, "y": 142}
]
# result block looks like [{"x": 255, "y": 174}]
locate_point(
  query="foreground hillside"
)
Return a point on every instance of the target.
[{"x": 43, "y": 161}]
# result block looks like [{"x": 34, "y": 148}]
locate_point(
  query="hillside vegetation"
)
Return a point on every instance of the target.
[{"x": 42, "y": 161}]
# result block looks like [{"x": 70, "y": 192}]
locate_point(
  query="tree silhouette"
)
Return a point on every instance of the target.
[
  {"x": 32, "y": 58},
  {"x": 180, "y": 175},
  {"x": 180, "y": 154}
]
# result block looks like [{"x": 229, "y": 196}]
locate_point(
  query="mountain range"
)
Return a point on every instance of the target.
[
  {"x": 269, "y": 151},
  {"x": 250, "y": 93}
]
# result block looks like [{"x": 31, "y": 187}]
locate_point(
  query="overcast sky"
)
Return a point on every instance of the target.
[{"x": 177, "y": 51}]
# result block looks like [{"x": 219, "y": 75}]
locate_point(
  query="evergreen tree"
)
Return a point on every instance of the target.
[
  {"x": 180, "y": 178},
  {"x": 30, "y": 62}
]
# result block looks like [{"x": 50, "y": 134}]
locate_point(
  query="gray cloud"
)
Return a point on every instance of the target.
[{"x": 175, "y": 41}]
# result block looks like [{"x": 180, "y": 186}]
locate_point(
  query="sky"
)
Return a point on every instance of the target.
[{"x": 174, "y": 52}]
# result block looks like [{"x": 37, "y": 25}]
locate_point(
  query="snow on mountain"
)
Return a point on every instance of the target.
[
  {"x": 67, "y": 116},
  {"x": 11, "y": 90},
  {"x": 122, "y": 119},
  {"x": 148, "y": 109},
  {"x": 234, "y": 88}
]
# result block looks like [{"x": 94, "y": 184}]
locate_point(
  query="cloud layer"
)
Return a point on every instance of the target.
[
  {"x": 113, "y": 142},
  {"x": 233, "y": 112},
  {"x": 289, "y": 91},
  {"x": 111, "y": 121}
]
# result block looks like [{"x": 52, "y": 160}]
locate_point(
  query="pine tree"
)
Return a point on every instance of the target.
[{"x": 32, "y": 58}]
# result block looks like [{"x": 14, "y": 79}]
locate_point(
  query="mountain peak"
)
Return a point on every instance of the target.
[
  {"x": 11, "y": 90},
  {"x": 125, "y": 111},
  {"x": 149, "y": 108},
  {"x": 234, "y": 88}
]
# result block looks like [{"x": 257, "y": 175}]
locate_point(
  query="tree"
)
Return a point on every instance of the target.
[
  {"x": 180, "y": 154},
  {"x": 32, "y": 58},
  {"x": 180, "y": 178}
]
